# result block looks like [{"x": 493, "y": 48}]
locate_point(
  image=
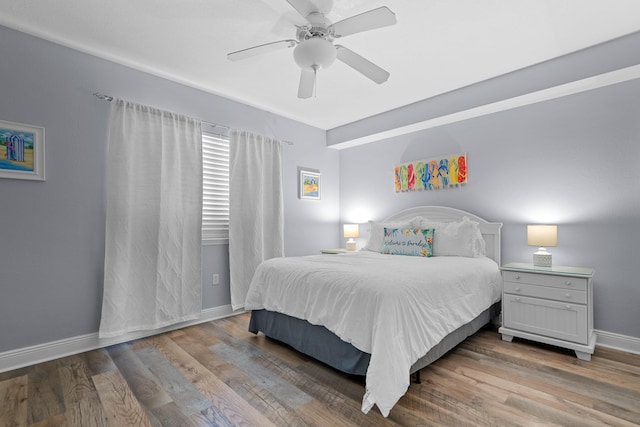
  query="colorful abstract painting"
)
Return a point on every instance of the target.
[{"x": 432, "y": 174}]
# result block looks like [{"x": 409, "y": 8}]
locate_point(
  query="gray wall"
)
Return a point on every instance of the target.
[
  {"x": 571, "y": 161},
  {"x": 52, "y": 237}
]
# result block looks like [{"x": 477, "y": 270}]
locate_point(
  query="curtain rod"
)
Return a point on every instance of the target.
[{"x": 215, "y": 125}]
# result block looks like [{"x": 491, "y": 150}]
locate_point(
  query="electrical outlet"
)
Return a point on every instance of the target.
[{"x": 216, "y": 279}]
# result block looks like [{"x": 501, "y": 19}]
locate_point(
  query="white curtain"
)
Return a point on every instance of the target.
[
  {"x": 152, "y": 274},
  {"x": 256, "y": 208}
]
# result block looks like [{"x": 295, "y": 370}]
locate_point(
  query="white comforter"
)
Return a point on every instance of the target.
[{"x": 394, "y": 307}]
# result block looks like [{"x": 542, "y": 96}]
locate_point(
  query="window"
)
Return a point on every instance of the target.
[{"x": 215, "y": 189}]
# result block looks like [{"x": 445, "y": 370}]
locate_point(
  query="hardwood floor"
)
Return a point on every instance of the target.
[{"x": 218, "y": 374}]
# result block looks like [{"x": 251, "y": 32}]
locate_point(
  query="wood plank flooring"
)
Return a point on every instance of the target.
[{"x": 218, "y": 374}]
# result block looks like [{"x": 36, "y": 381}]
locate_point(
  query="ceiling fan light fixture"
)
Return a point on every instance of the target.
[
  {"x": 324, "y": 6},
  {"x": 313, "y": 47},
  {"x": 314, "y": 53}
]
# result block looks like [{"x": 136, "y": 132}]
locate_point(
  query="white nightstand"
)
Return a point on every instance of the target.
[
  {"x": 553, "y": 305},
  {"x": 333, "y": 251}
]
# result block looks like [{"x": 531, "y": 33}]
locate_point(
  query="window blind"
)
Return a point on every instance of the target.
[{"x": 215, "y": 189}]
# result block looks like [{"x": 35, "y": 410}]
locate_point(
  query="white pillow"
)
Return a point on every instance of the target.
[
  {"x": 461, "y": 238},
  {"x": 375, "y": 243}
]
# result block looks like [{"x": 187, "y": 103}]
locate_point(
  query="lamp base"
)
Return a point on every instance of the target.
[
  {"x": 351, "y": 245},
  {"x": 542, "y": 258}
]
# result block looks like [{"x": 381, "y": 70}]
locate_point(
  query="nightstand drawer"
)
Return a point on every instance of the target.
[
  {"x": 564, "y": 282},
  {"x": 554, "y": 319},
  {"x": 547, "y": 292}
]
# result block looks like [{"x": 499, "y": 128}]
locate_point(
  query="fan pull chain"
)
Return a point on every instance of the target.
[{"x": 315, "y": 80}]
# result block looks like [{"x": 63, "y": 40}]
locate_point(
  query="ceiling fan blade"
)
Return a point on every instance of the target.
[
  {"x": 358, "y": 63},
  {"x": 304, "y": 7},
  {"x": 376, "y": 18},
  {"x": 307, "y": 82},
  {"x": 259, "y": 50}
]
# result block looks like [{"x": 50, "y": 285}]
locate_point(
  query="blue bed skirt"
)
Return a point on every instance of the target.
[
  {"x": 313, "y": 340},
  {"x": 323, "y": 345}
]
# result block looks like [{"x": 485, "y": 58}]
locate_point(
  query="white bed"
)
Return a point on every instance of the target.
[{"x": 392, "y": 311}]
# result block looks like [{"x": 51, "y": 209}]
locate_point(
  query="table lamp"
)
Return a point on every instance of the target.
[
  {"x": 542, "y": 236},
  {"x": 351, "y": 231}
]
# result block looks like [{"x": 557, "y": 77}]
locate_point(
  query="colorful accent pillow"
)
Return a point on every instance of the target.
[
  {"x": 375, "y": 242},
  {"x": 408, "y": 241}
]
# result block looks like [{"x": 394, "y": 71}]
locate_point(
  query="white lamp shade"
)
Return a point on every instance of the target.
[
  {"x": 351, "y": 230},
  {"x": 314, "y": 53},
  {"x": 542, "y": 235}
]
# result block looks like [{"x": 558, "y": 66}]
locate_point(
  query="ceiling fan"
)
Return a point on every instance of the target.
[{"x": 314, "y": 48}]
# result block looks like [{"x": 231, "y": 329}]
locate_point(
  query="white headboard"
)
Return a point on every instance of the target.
[{"x": 490, "y": 230}]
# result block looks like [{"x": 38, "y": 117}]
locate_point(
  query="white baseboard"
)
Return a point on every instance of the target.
[
  {"x": 618, "y": 342},
  {"x": 27, "y": 356}
]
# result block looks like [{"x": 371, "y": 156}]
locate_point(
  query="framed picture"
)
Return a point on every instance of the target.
[
  {"x": 448, "y": 171},
  {"x": 309, "y": 185},
  {"x": 21, "y": 151}
]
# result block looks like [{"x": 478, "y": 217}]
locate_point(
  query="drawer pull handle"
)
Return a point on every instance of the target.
[
  {"x": 517, "y": 289},
  {"x": 568, "y": 307},
  {"x": 568, "y": 283},
  {"x": 517, "y": 277},
  {"x": 568, "y": 296},
  {"x": 517, "y": 299}
]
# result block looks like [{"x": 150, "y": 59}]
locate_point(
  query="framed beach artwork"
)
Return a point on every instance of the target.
[
  {"x": 437, "y": 173},
  {"x": 309, "y": 185},
  {"x": 21, "y": 151}
]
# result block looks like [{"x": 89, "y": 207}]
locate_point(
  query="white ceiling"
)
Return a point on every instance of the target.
[{"x": 436, "y": 45}]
